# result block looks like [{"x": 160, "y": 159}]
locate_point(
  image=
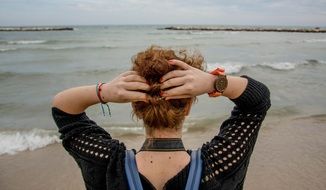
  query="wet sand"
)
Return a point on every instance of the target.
[{"x": 289, "y": 154}]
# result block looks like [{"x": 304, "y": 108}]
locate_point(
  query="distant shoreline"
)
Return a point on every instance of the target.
[
  {"x": 254, "y": 29},
  {"x": 35, "y": 29}
]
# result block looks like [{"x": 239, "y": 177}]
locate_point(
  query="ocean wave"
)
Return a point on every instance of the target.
[
  {"x": 110, "y": 46},
  {"x": 201, "y": 32},
  {"x": 183, "y": 37},
  {"x": 48, "y": 42},
  {"x": 12, "y": 142},
  {"x": 78, "y": 47},
  {"x": 315, "y": 40},
  {"x": 62, "y": 48},
  {"x": 54, "y": 48},
  {"x": 23, "y": 42},
  {"x": 7, "y": 49},
  {"x": 290, "y": 65},
  {"x": 231, "y": 32},
  {"x": 316, "y": 117},
  {"x": 8, "y": 74},
  {"x": 280, "y": 65},
  {"x": 230, "y": 67},
  {"x": 4, "y": 75},
  {"x": 236, "y": 67}
]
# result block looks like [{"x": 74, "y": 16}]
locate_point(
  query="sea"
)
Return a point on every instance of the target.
[{"x": 34, "y": 66}]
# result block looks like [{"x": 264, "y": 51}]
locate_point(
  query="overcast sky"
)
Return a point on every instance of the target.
[{"x": 93, "y": 12}]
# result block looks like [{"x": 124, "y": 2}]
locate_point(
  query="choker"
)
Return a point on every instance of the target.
[{"x": 163, "y": 144}]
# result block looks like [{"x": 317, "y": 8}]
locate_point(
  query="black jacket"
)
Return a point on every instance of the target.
[{"x": 225, "y": 157}]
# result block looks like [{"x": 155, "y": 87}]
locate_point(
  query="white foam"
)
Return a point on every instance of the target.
[
  {"x": 315, "y": 40},
  {"x": 26, "y": 42},
  {"x": 183, "y": 38},
  {"x": 12, "y": 142},
  {"x": 201, "y": 32},
  {"x": 231, "y": 32},
  {"x": 57, "y": 48},
  {"x": 7, "y": 49},
  {"x": 230, "y": 67},
  {"x": 78, "y": 47},
  {"x": 235, "y": 67},
  {"x": 281, "y": 65},
  {"x": 110, "y": 46}
]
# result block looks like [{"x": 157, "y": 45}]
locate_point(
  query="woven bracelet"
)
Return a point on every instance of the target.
[{"x": 98, "y": 93}]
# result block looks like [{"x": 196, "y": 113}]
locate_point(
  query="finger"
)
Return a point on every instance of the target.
[
  {"x": 134, "y": 96},
  {"x": 173, "y": 74},
  {"x": 173, "y": 82},
  {"x": 180, "y": 64},
  {"x": 178, "y": 97},
  {"x": 134, "y": 78},
  {"x": 136, "y": 86},
  {"x": 128, "y": 73},
  {"x": 177, "y": 91}
]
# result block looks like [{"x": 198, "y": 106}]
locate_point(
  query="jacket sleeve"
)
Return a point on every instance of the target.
[
  {"x": 90, "y": 145},
  {"x": 233, "y": 145}
]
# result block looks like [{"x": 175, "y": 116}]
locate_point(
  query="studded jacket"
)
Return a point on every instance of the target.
[{"x": 225, "y": 157}]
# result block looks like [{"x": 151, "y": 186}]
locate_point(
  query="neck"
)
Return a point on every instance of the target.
[{"x": 163, "y": 133}]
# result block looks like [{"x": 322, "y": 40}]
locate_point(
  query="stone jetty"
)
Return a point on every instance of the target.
[
  {"x": 34, "y": 29},
  {"x": 253, "y": 29}
]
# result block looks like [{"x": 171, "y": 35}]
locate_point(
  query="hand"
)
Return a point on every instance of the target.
[
  {"x": 187, "y": 82},
  {"x": 126, "y": 87}
]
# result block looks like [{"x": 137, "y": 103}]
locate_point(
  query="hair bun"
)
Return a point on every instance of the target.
[
  {"x": 152, "y": 64},
  {"x": 155, "y": 100},
  {"x": 155, "y": 90},
  {"x": 154, "y": 70}
]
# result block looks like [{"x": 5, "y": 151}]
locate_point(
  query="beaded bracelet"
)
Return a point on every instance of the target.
[{"x": 98, "y": 93}]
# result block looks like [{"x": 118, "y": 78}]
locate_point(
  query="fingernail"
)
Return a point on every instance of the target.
[
  {"x": 221, "y": 69},
  {"x": 163, "y": 94}
]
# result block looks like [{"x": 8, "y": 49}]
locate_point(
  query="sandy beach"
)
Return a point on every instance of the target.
[{"x": 289, "y": 154}]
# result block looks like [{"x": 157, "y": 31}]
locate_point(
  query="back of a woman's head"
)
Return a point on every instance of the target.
[{"x": 152, "y": 64}]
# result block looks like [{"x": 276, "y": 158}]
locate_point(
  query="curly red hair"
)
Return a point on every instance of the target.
[{"x": 152, "y": 64}]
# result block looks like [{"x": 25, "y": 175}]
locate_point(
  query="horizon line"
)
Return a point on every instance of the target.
[{"x": 54, "y": 25}]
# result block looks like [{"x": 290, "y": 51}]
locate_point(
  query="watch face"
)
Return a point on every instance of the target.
[{"x": 221, "y": 83}]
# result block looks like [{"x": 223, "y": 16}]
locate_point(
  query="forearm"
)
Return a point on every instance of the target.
[
  {"x": 236, "y": 86},
  {"x": 76, "y": 100},
  {"x": 124, "y": 88},
  {"x": 190, "y": 82}
]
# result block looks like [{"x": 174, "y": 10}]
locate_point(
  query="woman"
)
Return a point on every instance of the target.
[{"x": 161, "y": 88}]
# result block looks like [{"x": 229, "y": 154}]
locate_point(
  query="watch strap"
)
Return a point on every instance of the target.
[{"x": 217, "y": 71}]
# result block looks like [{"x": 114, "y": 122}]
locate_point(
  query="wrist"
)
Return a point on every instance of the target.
[
  {"x": 220, "y": 82},
  {"x": 105, "y": 92},
  {"x": 210, "y": 82},
  {"x": 236, "y": 87}
]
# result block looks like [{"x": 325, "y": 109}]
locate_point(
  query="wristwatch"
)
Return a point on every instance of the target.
[{"x": 220, "y": 83}]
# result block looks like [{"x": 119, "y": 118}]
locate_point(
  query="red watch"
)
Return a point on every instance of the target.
[{"x": 220, "y": 82}]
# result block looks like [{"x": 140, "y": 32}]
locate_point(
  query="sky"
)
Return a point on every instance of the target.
[{"x": 125, "y": 12}]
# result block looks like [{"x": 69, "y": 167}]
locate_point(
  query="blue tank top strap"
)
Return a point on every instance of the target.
[
  {"x": 132, "y": 171},
  {"x": 194, "y": 175},
  {"x": 195, "y": 170}
]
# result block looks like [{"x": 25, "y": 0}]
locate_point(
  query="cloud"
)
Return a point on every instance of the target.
[{"x": 246, "y": 12}]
